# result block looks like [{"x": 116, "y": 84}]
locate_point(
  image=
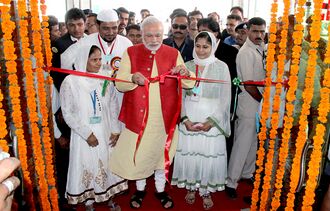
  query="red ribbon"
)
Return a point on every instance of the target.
[
  {"x": 263, "y": 83},
  {"x": 171, "y": 132},
  {"x": 145, "y": 119},
  {"x": 168, "y": 142},
  {"x": 161, "y": 79},
  {"x": 86, "y": 74}
]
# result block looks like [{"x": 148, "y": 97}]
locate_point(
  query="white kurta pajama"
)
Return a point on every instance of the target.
[
  {"x": 89, "y": 177},
  {"x": 201, "y": 158}
]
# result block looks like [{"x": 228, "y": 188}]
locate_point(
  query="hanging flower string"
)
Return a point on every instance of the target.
[
  {"x": 281, "y": 57},
  {"x": 37, "y": 44},
  {"x": 46, "y": 35},
  {"x": 32, "y": 106},
  {"x": 307, "y": 98},
  {"x": 8, "y": 27},
  {"x": 266, "y": 106},
  {"x": 318, "y": 139},
  {"x": 3, "y": 127},
  {"x": 47, "y": 142},
  {"x": 290, "y": 97}
]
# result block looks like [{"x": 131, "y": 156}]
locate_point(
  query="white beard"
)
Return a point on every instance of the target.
[{"x": 151, "y": 48}]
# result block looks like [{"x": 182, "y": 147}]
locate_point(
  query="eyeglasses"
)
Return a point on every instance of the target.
[{"x": 176, "y": 26}]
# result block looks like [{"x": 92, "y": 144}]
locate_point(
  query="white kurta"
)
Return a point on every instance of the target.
[
  {"x": 201, "y": 158},
  {"x": 89, "y": 176},
  {"x": 118, "y": 46}
]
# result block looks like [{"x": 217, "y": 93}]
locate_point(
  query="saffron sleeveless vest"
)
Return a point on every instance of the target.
[{"x": 134, "y": 102}]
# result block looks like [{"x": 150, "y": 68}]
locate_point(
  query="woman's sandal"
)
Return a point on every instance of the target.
[
  {"x": 137, "y": 198},
  {"x": 190, "y": 197},
  {"x": 165, "y": 199},
  {"x": 207, "y": 201},
  {"x": 89, "y": 207},
  {"x": 113, "y": 206}
]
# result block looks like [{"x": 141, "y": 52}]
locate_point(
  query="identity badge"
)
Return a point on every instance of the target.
[
  {"x": 196, "y": 90},
  {"x": 95, "y": 120}
]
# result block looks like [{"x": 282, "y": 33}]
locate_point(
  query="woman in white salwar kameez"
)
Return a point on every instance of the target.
[
  {"x": 91, "y": 111},
  {"x": 201, "y": 160}
]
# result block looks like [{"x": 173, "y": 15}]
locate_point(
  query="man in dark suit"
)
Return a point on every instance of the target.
[
  {"x": 180, "y": 39},
  {"x": 75, "y": 22}
]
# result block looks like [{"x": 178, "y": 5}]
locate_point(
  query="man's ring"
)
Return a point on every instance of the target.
[{"x": 9, "y": 184}]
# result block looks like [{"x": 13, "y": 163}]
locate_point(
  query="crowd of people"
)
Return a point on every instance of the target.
[{"x": 109, "y": 132}]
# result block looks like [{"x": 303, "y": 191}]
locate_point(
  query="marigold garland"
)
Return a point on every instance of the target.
[
  {"x": 47, "y": 43},
  {"x": 318, "y": 139},
  {"x": 8, "y": 27},
  {"x": 3, "y": 127},
  {"x": 37, "y": 44},
  {"x": 290, "y": 97},
  {"x": 32, "y": 106},
  {"x": 281, "y": 57},
  {"x": 265, "y": 108},
  {"x": 47, "y": 142},
  {"x": 307, "y": 99}
]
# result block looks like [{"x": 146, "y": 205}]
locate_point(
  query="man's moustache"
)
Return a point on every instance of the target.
[{"x": 178, "y": 33}]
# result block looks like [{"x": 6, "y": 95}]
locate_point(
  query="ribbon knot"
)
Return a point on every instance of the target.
[
  {"x": 162, "y": 79},
  {"x": 237, "y": 81}
]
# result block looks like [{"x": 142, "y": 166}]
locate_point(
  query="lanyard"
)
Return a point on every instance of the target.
[
  {"x": 197, "y": 82},
  {"x": 103, "y": 47},
  {"x": 261, "y": 54},
  {"x": 93, "y": 97},
  {"x": 182, "y": 49},
  {"x": 263, "y": 58}
]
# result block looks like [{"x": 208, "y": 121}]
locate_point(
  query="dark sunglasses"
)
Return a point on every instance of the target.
[{"x": 176, "y": 26}]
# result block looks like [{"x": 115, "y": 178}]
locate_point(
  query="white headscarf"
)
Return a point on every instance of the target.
[
  {"x": 81, "y": 59},
  {"x": 211, "y": 58},
  {"x": 80, "y": 64}
]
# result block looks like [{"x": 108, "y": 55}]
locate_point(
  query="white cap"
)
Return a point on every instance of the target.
[{"x": 108, "y": 15}]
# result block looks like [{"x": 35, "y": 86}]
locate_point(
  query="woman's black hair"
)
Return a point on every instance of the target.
[
  {"x": 210, "y": 24},
  {"x": 204, "y": 35},
  {"x": 93, "y": 49}
]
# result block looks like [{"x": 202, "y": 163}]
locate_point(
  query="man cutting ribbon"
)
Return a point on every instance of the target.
[{"x": 149, "y": 117}]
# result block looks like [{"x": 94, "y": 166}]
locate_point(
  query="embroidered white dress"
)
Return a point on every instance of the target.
[
  {"x": 86, "y": 111},
  {"x": 201, "y": 159}
]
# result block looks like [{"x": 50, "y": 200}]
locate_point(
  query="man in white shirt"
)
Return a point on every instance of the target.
[
  {"x": 107, "y": 39},
  {"x": 250, "y": 67}
]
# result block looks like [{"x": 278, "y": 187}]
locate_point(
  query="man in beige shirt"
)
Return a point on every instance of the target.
[{"x": 250, "y": 67}]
